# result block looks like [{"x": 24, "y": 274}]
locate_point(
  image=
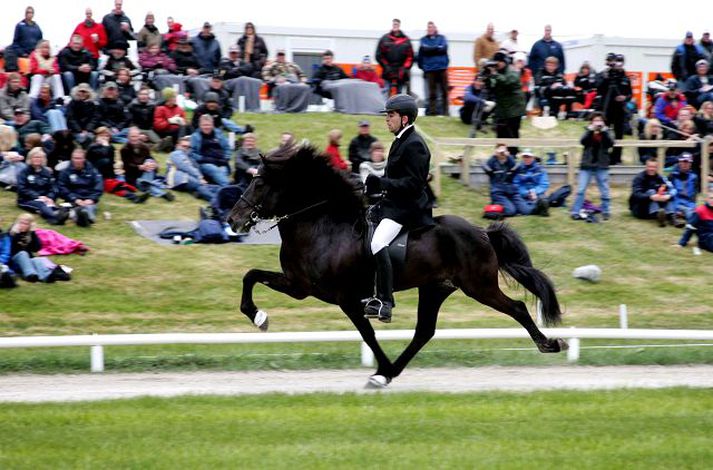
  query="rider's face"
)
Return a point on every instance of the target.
[{"x": 393, "y": 121}]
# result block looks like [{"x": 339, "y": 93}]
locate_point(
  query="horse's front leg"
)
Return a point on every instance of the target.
[
  {"x": 384, "y": 371},
  {"x": 273, "y": 280}
]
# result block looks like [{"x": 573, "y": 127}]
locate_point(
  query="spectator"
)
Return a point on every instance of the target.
[
  {"x": 544, "y": 48},
  {"x": 699, "y": 87},
  {"x": 155, "y": 63},
  {"x": 13, "y": 96},
  {"x": 126, "y": 89},
  {"x": 81, "y": 114},
  {"x": 507, "y": 91},
  {"x": 511, "y": 46},
  {"x": 185, "y": 59},
  {"x": 285, "y": 82},
  {"x": 174, "y": 35},
  {"x": 215, "y": 84},
  {"x": 686, "y": 132},
  {"x": 335, "y": 158},
  {"x": 212, "y": 106},
  {"x": 140, "y": 168},
  {"x": 552, "y": 89},
  {"x": 45, "y": 109},
  {"x": 12, "y": 162},
  {"x": 27, "y": 35},
  {"x": 7, "y": 275},
  {"x": 669, "y": 103},
  {"x": 117, "y": 25},
  {"x": 700, "y": 222},
  {"x": 585, "y": 85},
  {"x": 519, "y": 65},
  {"x": 597, "y": 144},
  {"x": 117, "y": 60},
  {"x": 652, "y": 195},
  {"x": 366, "y": 71},
  {"x": 247, "y": 160},
  {"x": 44, "y": 67},
  {"x": 485, "y": 46},
  {"x": 141, "y": 112},
  {"x": 376, "y": 165},
  {"x": 614, "y": 89},
  {"x": 235, "y": 66},
  {"x": 169, "y": 120},
  {"x": 254, "y": 50},
  {"x": 24, "y": 126},
  {"x": 111, "y": 113},
  {"x": 360, "y": 146},
  {"x": 501, "y": 169},
  {"x": 433, "y": 60},
  {"x": 327, "y": 71},
  {"x": 532, "y": 182},
  {"x": 652, "y": 131},
  {"x": 209, "y": 148},
  {"x": 207, "y": 49},
  {"x": 685, "y": 56},
  {"x": 704, "y": 119},
  {"x": 24, "y": 243},
  {"x": 149, "y": 35},
  {"x": 685, "y": 182},
  {"x": 81, "y": 185},
  {"x": 706, "y": 44},
  {"x": 36, "y": 190},
  {"x": 183, "y": 174},
  {"x": 476, "y": 104},
  {"x": 93, "y": 34},
  {"x": 281, "y": 71},
  {"x": 77, "y": 65},
  {"x": 395, "y": 55}
]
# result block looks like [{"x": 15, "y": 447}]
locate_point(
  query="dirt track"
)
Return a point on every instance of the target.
[{"x": 43, "y": 388}]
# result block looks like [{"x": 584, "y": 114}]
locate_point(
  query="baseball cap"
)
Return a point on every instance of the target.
[
  {"x": 527, "y": 153},
  {"x": 211, "y": 96},
  {"x": 671, "y": 84},
  {"x": 701, "y": 62},
  {"x": 207, "y": 25},
  {"x": 689, "y": 34},
  {"x": 111, "y": 85},
  {"x": 19, "y": 111},
  {"x": 685, "y": 157},
  {"x": 280, "y": 52},
  {"x": 364, "y": 123}
]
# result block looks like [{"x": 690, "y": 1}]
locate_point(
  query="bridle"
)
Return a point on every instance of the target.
[{"x": 255, "y": 216}]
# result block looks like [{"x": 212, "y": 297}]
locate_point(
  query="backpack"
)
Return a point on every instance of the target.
[
  {"x": 559, "y": 196},
  {"x": 494, "y": 212}
]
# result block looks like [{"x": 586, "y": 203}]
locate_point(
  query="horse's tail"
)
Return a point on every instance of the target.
[{"x": 514, "y": 259}]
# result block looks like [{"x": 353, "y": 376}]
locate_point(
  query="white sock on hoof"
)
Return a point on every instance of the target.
[
  {"x": 260, "y": 318},
  {"x": 378, "y": 380}
]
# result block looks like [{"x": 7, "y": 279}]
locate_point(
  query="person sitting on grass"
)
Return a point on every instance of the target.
[
  {"x": 142, "y": 111},
  {"x": 597, "y": 143},
  {"x": 7, "y": 274},
  {"x": 247, "y": 160},
  {"x": 141, "y": 170},
  {"x": 24, "y": 243},
  {"x": 652, "y": 195},
  {"x": 700, "y": 222},
  {"x": 685, "y": 182},
  {"x": 36, "y": 190},
  {"x": 532, "y": 182},
  {"x": 183, "y": 174},
  {"x": 169, "y": 120},
  {"x": 81, "y": 114},
  {"x": 210, "y": 149},
  {"x": 81, "y": 185},
  {"x": 501, "y": 169},
  {"x": 111, "y": 113}
]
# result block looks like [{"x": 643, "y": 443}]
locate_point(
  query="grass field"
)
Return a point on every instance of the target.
[
  {"x": 129, "y": 284},
  {"x": 618, "y": 429}
]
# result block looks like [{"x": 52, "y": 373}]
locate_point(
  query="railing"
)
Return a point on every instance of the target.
[{"x": 574, "y": 335}]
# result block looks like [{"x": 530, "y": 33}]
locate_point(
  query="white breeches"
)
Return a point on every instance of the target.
[{"x": 384, "y": 234}]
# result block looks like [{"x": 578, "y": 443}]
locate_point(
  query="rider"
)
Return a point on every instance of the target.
[{"x": 405, "y": 202}]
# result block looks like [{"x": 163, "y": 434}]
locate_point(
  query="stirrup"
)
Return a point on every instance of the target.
[{"x": 376, "y": 308}]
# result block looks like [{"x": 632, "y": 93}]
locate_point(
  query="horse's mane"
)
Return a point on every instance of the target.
[{"x": 307, "y": 174}]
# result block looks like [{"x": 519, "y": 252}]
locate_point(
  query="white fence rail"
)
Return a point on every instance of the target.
[{"x": 574, "y": 335}]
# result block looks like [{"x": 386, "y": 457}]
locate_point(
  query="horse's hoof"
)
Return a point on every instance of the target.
[
  {"x": 377, "y": 382},
  {"x": 563, "y": 344},
  {"x": 261, "y": 320},
  {"x": 553, "y": 346}
]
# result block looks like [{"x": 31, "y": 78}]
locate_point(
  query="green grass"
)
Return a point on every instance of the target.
[
  {"x": 128, "y": 284},
  {"x": 604, "y": 429}
]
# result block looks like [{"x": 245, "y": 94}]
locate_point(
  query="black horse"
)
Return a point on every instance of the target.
[{"x": 321, "y": 218}]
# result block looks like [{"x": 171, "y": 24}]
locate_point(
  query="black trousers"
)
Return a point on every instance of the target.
[
  {"x": 437, "y": 85},
  {"x": 616, "y": 121},
  {"x": 508, "y": 128}
]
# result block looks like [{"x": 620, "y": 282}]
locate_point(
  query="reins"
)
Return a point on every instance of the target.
[{"x": 283, "y": 218}]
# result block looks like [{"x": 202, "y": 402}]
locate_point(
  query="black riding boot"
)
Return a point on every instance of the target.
[{"x": 380, "y": 306}]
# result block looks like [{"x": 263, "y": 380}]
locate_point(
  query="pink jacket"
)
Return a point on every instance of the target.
[{"x": 54, "y": 243}]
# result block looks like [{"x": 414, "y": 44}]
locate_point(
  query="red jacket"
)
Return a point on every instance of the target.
[
  {"x": 162, "y": 115},
  {"x": 369, "y": 75},
  {"x": 86, "y": 32},
  {"x": 336, "y": 159},
  {"x": 174, "y": 34},
  {"x": 35, "y": 66}
]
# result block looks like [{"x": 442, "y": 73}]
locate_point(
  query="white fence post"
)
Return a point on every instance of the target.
[
  {"x": 367, "y": 356},
  {"x": 623, "y": 317},
  {"x": 97, "y": 358},
  {"x": 573, "y": 351},
  {"x": 538, "y": 308},
  {"x": 241, "y": 104}
]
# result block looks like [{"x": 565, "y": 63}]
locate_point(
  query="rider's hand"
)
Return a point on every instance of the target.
[{"x": 372, "y": 184}]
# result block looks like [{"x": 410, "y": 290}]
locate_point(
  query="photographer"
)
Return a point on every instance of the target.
[
  {"x": 614, "y": 90},
  {"x": 506, "y": 89},
  {"x": 596, "y": 143}
]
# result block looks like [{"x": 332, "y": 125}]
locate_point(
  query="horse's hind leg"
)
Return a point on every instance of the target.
[
  {"x": 489, "y": 293},
  {"x": 430, "y": 299},
  {"x": 273, "y": 280}
]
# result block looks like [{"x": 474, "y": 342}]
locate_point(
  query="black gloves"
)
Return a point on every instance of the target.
[{"x": 373, "y": 184}]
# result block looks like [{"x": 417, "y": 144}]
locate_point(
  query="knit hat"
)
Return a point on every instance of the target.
[{"x": 168, "y": 93}]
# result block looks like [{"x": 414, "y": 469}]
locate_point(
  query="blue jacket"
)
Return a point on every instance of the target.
[
  {"x": 5, "y": 250},
  {"x": 433, "y": 53},
  {"x": 701, "y": 222},
  {"x": 501, "y": 174},
  {"x": 543, "y": 49},
  {"x": 32, "y": 184},
  {"x": 207, "y": 51},
  {"x": 38, "y": 109},
  {"x": 86, "y": 183},
  {"x": 197, "y": 143},
  {"x": 180, "y": 169},
  {"x": 26, "y": 37},
  {"x": 685, "y": 184},
  {"x": 531, "y": 177}
]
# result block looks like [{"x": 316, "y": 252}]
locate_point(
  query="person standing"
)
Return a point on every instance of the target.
[
  {"x": 506, "y": 88},
  {"x": 544, "y": 48},
  {"x": 405, "y": 201},
  {"x": 685, "y": 56},
  {"x": 597, "y": 143},
  {"x": 93, "y": 34},
  {"x": 433, "y": 60},
  {"x": 27, "y": 35},
  {"x": 117, "y": 25},
  {"x": 486, "y": 45},
  {"x": 395, "y": 55},
  {"x": 614, "y": 88}
]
